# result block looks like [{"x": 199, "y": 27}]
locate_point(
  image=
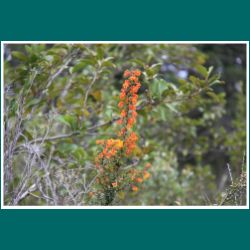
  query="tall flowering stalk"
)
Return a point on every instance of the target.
[
  {"x": 127, "y": 105},
  {"x": 109, "y": 162}
]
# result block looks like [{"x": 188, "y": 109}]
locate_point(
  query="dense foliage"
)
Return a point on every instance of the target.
[{"x": 173, "y": 132}]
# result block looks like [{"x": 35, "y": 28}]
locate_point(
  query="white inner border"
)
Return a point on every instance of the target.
[{"x": 124, "y": 42}]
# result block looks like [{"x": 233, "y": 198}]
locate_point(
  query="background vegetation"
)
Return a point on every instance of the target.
[{"x": 61, "y": 98}]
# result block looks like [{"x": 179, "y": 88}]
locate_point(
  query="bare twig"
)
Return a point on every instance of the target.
[
  {"x": 32, "y": 188},
  {"x": 48, "y": 179},
  {"x": 40, "y": 197},
  {"x": 27, "y": 173},
  {"x": 230, "y": 192},
  {"x": 10, "y": 147},
  {"x": 231, "y": 179},
  {"x": 103, "y": 124},
  {"x": 67, "y": 87},
  {"x": 74, "y": 133},
  {"x": 89, "y": 88},
  {"x": 230, "y": 173},
  {"x": 57, "y": 137},
  {"x": 59, "y": 71}
]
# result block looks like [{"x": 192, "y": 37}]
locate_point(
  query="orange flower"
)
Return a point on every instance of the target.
[
  {"x": 119, "y": 144},
  {"x": 134, "y": 99},
  {"x": 146, "y": 175},
  {"x": 139, "y": 180},
  {"x": 120, "y": 104},
  {"x": 111, "y": 153},
  {"x": 130, "y": 143},
  {"x": 122, "y": 95},
  {"x": 110, "y": 150},
  {"x": 122, "y": 132},
  {"x": 132, "y": 107},
  {"x": 136, "y": 72},
  {"x": 130, "y": 122},
  {"x": 99, "y": 142},
  {"x": 119, "y": 121},
  {"x": 126, "y": 84},
  {"x": 110, "y": 142},
  {"x": 127, "y": 73},
  {"x": 135, "y": 188},
  {"x": 123, "y": 113},
  {"x": 114, "y": 184},
  {"x": 133, "y": 78},
  {"x": 133, "y": 114}
]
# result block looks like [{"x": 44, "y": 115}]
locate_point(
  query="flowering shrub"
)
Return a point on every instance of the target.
[{"x": 110, "y": 163}]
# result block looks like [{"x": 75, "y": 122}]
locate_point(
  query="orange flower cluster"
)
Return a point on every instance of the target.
[
  {"x": 139, "y": 176},
  {"x": 127, "y": 105},
  {"x": 130, "y": 143},
  {"x": 129, "y": 97},
  {"x": 109, "y": 159},
  {"x": 111, "y": 147}
]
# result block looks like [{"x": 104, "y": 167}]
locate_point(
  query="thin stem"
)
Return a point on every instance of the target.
[{"x": 89, "y": 88}]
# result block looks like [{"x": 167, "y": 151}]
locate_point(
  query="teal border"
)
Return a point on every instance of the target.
[{"x": 114, "y": 21}]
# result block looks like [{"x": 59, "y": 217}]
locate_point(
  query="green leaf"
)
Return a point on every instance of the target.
[
  {"x": 100, "y": 53},
  {"x": 138, "y": 62},
  {"x": 160, "y": 113},
  {"x": 161, "y": 88},
  {"x": 108, "y": 64},
  {"x": 108, "y": 59},
  {"x": 82, "y": 64},
  {"x": 153, "y": 70},
  {"x": 215, "y": 82},
  {"x": 156, "y": 66},
  {"x": 194, "y": 80},
  {"x": 172, "y": 107},
  {"x": 158, "y": 87},
  {"x": 202, "y": 70},
  {"x": 58, "y": 51},
  {"x": 28, "y": 49},
  {"x": 72, "y": 149},
  {"x": 163, "y": 115},
  {"x": 213, "y": 96},
  {"x": 210, "y": 71},
  {"x": 19, "y": 55},
  {"x": 108, "y": 113},
  {"x": 69, "y": 120},
  {"x": 79, "y": 153}
]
